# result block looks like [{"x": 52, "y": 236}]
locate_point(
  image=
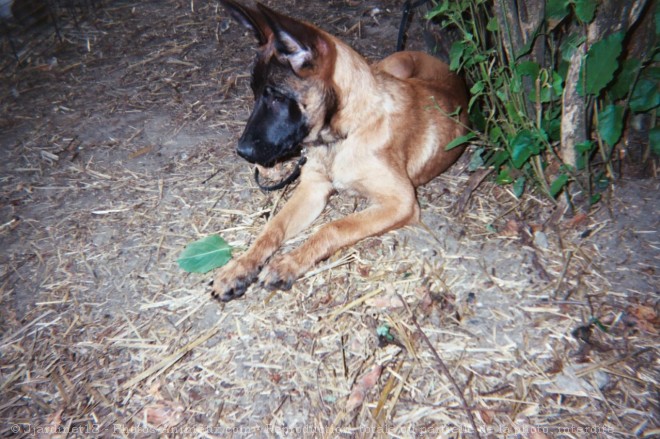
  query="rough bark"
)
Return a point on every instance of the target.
[
  {"x": 573, "y": 120},
  {"x": 519, "y": 21}
]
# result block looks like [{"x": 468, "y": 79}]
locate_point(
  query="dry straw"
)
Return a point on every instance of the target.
[{"x": 119, "y": 156}]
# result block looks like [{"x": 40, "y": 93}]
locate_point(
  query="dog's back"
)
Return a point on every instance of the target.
[{"x": 436, "y": 94}]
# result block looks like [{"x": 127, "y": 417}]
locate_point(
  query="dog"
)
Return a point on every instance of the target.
[{"x": 376, "y": 131}]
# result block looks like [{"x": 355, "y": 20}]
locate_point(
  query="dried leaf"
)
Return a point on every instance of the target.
[
  {"x": 645, "y": 318},
  {"x": 362, "y": 386},
  {"x": 487, "y": 416},
  {"x": 512, "y": 228},
  {"x": 577, "y": 220},
  {"x": 163, "y": 414},
  {"x": 385, "y": 302}
]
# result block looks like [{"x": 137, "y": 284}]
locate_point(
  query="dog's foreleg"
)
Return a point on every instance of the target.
[
  {"x": 305, "y": 205},
  {"x": 383, "y": 215}
]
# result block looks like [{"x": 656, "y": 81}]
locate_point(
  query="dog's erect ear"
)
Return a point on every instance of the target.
[
  {"x": 249, "y": 18},
  {"x": 296, "y": 41}
]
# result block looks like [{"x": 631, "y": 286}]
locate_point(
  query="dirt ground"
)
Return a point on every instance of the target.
[{"x": 116, "y": 151}]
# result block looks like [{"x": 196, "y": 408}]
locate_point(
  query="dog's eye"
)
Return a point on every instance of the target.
[
  {"x": 278, "y": 98},
  {"x": 275, "y": 96}
]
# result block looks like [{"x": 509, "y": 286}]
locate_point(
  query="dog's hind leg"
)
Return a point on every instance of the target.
[
  {"x": 385, "y": 213},
  {"x": 305, "y": 205}
]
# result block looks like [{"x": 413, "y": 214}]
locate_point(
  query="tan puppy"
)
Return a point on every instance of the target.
[{"x": 374, "y": 131}]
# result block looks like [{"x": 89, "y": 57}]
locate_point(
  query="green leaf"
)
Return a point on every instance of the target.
[
  {"x": 570, "y": 44},
  {"x": 585, "y": 10},
  {"x": 515, "y": 116},
  {"x": 527, "y": 48},
  {"x": 557, "y": 84},
  {"x": 456, "y": 55},
  {"x": 461, "y": 6},
  {"x": 478, "y": 87},
  {"x": 624, "y": 79},
  {"x": 502, "y": 93},
  {"x": 645, "y": 96},
  {"x": 495, "y": 135},
  {"x": 516, "y": 86},
  {"x": 519, "y": 187},
  {"x": 504, "y": 177},
  {"x": 383, "y": 331},
  {"x": 654, "y": 140},
  {"x": 558, "y": 184},
  {"x": 437, "y": 10},
  {"x": 492, "y": 25},
  {"x": 473, "y": 99},
  {"x": 601, "y": 63},
  {"x": 651, "y": 73},
  {"x": 585, "y": 146},
  {"x": 477, "y": 160},
  {"x": 601, "y": 181},
  {"x": 553, "y": 128},
  {"x": 523, "y": 146},
  {"x": 529, "y": 68},
  {"x": 205, "y": 255},
  {"x": 459, "y": 141},
  {"x": 498, "y": 158},
  {"x": 545, "y": 94},
  {"x": 556, "y": 9},
  {"x": 610, "y": 124},
  {"x": 584, "y": 150}
]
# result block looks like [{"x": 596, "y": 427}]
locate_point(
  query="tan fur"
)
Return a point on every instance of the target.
[{"x": 387, "y": 138}]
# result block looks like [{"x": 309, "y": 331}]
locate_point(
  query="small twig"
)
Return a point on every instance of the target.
[
  {"x": 167, "y": 362},
  {"x": 219, "y": 170},
  {"x": 610, "y": 362},
  {"x": 473, "y": 183},
  {"x": 569, "y": 256},
  {"x": 443, "y": 368},
  {"x": 490, "y": 277}
]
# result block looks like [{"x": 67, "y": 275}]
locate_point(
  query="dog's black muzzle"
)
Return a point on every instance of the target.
[
  {"x": 248, "y": 150},
  {"x": 274, "y": 130}
]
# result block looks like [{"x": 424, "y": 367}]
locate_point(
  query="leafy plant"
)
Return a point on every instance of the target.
[
  {"x": 205, "y": 255},
  {"x": 553, "y": 85}
]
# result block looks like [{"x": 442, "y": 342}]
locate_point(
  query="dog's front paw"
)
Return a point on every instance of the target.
[
  {"x": 280, "y": 273},
  {"x": 233, "y": 280}
]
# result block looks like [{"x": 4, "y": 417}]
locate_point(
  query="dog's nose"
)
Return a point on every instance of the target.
[{"x": 246, "y": 150}]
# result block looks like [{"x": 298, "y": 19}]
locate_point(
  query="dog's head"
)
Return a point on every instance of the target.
[{"x": 291, "y": 82}]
